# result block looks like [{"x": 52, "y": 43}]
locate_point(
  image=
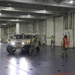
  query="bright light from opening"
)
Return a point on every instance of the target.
[
  {"x": 28, "y": 15},
  {"x": 71, "y": 2}
]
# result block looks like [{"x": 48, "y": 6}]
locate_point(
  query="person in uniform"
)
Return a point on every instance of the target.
[
  {"x": 52, "y": 41},
  {"x": 34, "y": 44},
  {"x": 65, "y": 46}
]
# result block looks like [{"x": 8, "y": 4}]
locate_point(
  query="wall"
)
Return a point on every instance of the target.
[
  {"x": 26, "y": 28},
  {"x": 23, "y": 28},
  {"x": 58, "y": 30},
  {"x": 56, "y": 27},
  {"x": 36, "y": 27},
  {"x": 42, "y": 31},
  {"x": 50, "y": 29}
]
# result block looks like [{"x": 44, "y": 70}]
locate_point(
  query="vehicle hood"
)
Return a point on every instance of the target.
[{"x": 20, "y": 40}]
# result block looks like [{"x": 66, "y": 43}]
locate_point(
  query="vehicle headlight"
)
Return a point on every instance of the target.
[
  {"x": 23, "y": 43},
  {"x": 12, "y": 43},
  {"x": 28, "y": 42}
]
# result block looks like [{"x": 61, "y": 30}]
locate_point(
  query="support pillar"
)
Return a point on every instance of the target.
[{"x": 17, "y": 28}]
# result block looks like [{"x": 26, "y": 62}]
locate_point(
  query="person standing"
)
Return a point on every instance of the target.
[
  {"x": 52, "y": 41},
  {"x": 65, "y": 46}
]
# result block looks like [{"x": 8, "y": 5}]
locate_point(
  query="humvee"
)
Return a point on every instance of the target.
[{"x": 20, "y": 41}]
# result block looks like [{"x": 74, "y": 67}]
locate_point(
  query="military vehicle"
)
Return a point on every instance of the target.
[{"x": 20, "y": 41}]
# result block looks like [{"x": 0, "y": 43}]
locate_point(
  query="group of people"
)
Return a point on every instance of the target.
[{"x": 65, "y": 44}]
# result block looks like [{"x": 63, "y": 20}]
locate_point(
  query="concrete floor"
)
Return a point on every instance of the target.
[{"x": 47, "y": 62}]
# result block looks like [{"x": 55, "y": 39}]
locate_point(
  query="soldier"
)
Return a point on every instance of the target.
[
  {"x": 35, "y": 45},
  {"x": 52, "y": 41},
  {"x": 65, "y": 46}
]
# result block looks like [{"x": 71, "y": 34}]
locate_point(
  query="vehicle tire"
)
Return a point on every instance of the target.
[
  {"x": 10, "y": 49},
  {"x": 37, "y": 49},
  {"x": 23, "y": 51}
]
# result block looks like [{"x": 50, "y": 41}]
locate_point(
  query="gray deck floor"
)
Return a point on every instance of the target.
[{"x": 47, "y": 62}]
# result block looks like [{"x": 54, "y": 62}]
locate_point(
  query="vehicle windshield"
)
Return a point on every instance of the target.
[
  {"x": 18, "y": 37},
  {"x": 23, "y": 36},
  {"x": 27, "y": 36}
]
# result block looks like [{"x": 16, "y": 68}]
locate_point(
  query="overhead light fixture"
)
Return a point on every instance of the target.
[
  {"x": 28, "y": 15},
  {"x": 4, "y": 23},
  {"x": 12, "y": 20},
  {"x": 9, "y": 4},
  {"x": 71, "y": 2}
]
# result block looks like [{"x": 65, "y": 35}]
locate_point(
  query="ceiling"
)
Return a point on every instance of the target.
[{"x": 27, "y": 11}]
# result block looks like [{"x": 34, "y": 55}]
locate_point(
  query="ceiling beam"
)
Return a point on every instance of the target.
[{"x": 37, "y": 3}]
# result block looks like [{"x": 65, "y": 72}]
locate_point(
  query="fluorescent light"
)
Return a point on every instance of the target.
[
  {"x": 12, "y": 20},
  {"x": 71, "y": 2},
  {"x": 4, "y": 23},
  {"x": 9, "y": 4},
  {"x": 28, "y": 15}
]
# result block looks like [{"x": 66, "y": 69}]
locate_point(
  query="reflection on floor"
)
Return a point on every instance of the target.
[{"x": 47, "y": 62}]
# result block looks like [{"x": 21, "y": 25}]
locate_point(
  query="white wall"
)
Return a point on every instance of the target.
[
  {"x": 50, "y": 30},
  {"x": 36, "y": 27},
  {"x": 30, "y": 28},
  {"x": 58, "y": 30},
  {"x": 42, "y": 31},
  {"x": 23, "y": 28},
  {"x": 26, "y": 28}
]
